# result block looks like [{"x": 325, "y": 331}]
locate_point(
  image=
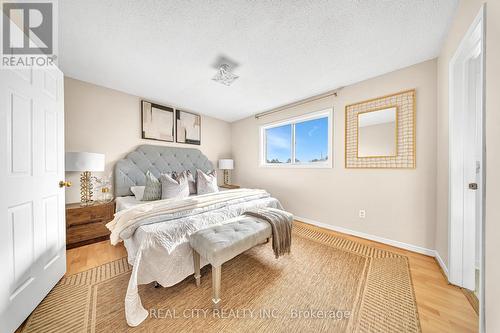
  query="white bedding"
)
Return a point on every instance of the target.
[
  {"x": 126, "y": 202},
  {"x": 160, "y": 251}
]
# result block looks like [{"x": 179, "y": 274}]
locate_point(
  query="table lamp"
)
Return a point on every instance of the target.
[
  {"x": 85, "y": 163},
  {"x": 226, "y": 165}
]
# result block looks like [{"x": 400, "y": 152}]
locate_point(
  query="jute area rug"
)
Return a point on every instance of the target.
[{"x": 327, "y": 284}]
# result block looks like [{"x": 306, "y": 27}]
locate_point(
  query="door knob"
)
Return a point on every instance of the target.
[{"x": 63, "y": 183}]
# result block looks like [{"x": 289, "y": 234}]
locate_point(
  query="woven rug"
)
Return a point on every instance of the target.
[{"x": 327, "y": 284}]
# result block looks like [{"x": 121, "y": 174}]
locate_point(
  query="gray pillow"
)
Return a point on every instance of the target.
[
  {"x": 174, "y": 187},
  {"x": 206, "y": 183},
  {"x": 191, "y": 182},
  {"x": 152, "y": 191}
]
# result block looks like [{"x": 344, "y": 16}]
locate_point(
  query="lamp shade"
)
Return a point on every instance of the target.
[
  {"x": 226, "y": 164},
  {"x": 80, "y": 161}
]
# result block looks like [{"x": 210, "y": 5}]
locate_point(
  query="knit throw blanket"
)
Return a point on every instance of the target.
[{"x": 281, "y": 224}]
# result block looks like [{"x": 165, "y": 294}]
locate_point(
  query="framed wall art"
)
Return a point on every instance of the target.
[
  {"x": 188, "y": 127},
  {"x": 157, "y": 122}
]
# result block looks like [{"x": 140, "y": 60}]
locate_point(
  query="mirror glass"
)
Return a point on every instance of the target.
[{"x": 377, "y": 133}]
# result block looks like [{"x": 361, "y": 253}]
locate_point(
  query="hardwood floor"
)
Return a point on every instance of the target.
[
  {"x": 85, "y": 257},
  {"x": 442, "y": 307}
]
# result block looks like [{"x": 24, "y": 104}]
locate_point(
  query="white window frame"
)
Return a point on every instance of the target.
[{"x": 293, "y": 121}]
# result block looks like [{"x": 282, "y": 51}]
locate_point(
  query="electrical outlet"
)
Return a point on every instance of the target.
[{"x": 362, "y": 213}]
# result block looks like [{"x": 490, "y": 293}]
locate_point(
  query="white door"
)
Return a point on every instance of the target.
[
  {"x": 466, "y": 157},
  {"x": 32, "y": 213},
  {"x": 472, "y": 171}
]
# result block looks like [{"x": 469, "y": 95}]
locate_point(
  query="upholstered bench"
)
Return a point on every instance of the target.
[{"x": 220, "y": 243}]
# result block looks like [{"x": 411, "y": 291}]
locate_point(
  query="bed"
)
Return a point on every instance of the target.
[{"x": 158, "y": 247}]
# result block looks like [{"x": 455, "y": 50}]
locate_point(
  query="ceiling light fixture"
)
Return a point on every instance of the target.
[{"x": 224, "y": 75}]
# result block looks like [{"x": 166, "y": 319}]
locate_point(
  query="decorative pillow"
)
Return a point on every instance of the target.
[
  {"x": 191, "y": 182},
  {"x": 138, "y": 191},
  {"x": 206, "y": 183},
  {"x": 152, "y": 190},
  {"x": 174, "y": 187}
]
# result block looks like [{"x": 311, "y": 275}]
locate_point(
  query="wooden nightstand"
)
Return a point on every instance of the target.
[
  {"x": 229, "y": 187},
  {"x": 86, "y": 225}
]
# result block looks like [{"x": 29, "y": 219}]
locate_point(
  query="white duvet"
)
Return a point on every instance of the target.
[{"x": 156, "y": 237}]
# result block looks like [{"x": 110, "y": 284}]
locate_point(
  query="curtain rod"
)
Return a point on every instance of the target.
[{"x": 299, "y": 102}]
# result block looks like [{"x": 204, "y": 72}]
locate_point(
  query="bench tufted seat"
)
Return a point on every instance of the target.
[{"x": 220, "y": 243}]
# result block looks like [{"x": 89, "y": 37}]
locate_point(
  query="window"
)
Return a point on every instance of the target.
[
  {"x": 299, "y": 142},
  {"x": 279, "y": 144}
]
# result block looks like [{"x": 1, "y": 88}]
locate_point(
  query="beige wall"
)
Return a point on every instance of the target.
[
  {"x": 399, "y": 204},
  {"x": 107, "y": 121},
  {"x": 464, "y": 16}
]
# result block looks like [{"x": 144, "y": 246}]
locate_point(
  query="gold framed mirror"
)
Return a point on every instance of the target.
[{"x": 380, "y": 132}]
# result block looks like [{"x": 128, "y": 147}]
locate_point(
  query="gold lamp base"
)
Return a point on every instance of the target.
[
  {"x": 226, "y": 177},
  {"x": 86, "y": 188}
]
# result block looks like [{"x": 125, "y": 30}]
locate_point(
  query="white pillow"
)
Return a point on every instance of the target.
[
  {"x": 177, "y": 188},
  {"x": 206, "y": 183},
  {"x": 138, "y": 191},
  {"x": 191, "y": 182}
]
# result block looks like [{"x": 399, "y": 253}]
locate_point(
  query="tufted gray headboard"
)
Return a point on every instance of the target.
[{"x": 131, "y": 171}]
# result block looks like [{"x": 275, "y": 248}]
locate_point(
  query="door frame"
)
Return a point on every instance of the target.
[{"x": 458, "y": 101}]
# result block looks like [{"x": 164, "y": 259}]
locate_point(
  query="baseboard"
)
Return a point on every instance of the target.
[
  {"x": 401, "y": 245},
  {"x": 441, "y": 264}
]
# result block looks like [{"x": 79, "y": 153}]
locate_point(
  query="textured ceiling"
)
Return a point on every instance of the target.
[{"x": 285, "y": 50}]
